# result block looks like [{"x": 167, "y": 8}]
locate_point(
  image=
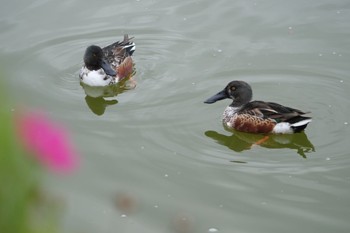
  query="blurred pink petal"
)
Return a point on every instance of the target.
[{"x": 48, "y": 141}]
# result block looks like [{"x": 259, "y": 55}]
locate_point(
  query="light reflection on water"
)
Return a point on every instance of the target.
[{"x": 296, "y": 55}]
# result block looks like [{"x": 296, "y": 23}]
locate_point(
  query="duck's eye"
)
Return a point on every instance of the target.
[{"x": 233, "y": 88}]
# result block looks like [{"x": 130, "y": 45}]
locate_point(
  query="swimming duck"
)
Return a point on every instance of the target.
[
  {"x": 108, "y": 65},
  {"x": 257, "y": 116}
]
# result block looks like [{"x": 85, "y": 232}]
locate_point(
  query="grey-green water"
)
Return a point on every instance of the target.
[{"x": 158, "y": 144}]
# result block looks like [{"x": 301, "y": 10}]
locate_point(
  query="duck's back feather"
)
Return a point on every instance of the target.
[
  {"x": 118, "y": 51},
  {"x": 272, "y": 110},
  {"x": 285, "y": 117}
]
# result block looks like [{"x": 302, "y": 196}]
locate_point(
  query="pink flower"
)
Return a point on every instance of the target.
[{"x": 48, "y": 141}]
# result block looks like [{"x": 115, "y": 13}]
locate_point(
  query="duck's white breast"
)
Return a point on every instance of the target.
[{"x": 95, "y": 77}]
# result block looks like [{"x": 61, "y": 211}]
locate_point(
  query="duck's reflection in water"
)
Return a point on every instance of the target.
[
  {"x": 99, "y": 98},
  {"x": 240, "y": 141},
  {"x": 98, "y": 105}
]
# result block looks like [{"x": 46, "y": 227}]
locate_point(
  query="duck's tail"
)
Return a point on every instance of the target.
[
  {"x": 128, "y": 44},
  {"x": 300, "y": 124}
]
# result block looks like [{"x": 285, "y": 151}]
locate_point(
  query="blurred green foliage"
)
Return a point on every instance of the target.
[{"x": 23, "y": 206}]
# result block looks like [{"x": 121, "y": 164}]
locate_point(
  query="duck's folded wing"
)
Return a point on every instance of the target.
[{"x": 271, "y": 110}]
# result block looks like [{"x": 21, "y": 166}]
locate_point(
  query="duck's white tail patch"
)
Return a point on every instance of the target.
[
  {"x": 283, "y": 127},
  {"x": 300, "y": 123}
]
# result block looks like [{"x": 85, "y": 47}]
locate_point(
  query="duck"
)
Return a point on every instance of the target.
[
  {"x": 262, "y": 117},
  {"x": 109, "y": 65}
]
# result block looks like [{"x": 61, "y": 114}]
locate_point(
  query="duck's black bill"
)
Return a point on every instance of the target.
[
  {"x": 219, "y": 96},
  {"x": 107, "y": 68}
]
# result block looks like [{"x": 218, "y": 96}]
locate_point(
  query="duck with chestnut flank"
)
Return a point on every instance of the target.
[
  {"x": 257, "y": 116},
  {"x": 109, "y": 65}
]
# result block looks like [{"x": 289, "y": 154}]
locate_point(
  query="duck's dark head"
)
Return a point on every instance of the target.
[
  {"x": 94, "y": 59},
  {"x": 239, "y": 91}
]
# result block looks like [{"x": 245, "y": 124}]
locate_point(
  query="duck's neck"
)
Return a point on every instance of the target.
[
  {"x": 239, "y": 102},
  {"x": 92, "y": 67},
  {"x": 241, "y": 97}
]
